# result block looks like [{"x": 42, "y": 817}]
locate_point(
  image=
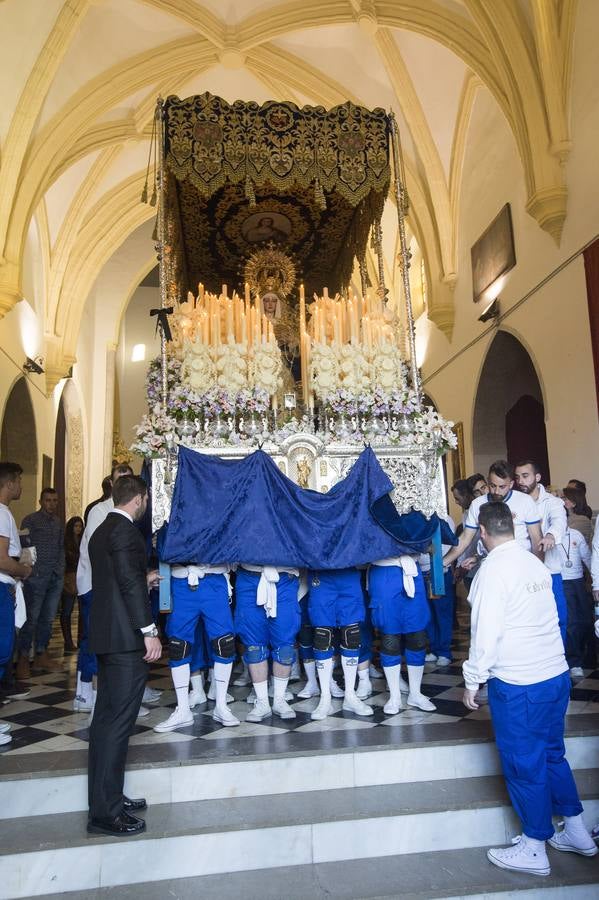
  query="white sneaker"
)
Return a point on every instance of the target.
[
  {"x": 336, "y": 691},
  {"x": 143, "y": 712},
  {"x": 260, "y": 711},
  {"x": 419, "y": 701},
  {"x": 5, "y": 738},
  {"x": 430, "y": 658},
  {"x": 177, "y": 719},
  {"x": 322, "y": 711},
  {"x": 375, "y": 673},
  {"x": 576, "y": 672},
  {"x": 581, "y": 842},
  {"x": 4, "y": 727},
  {"x": 83, "y": 704},
  {"x": 196, "y": 698},
  {"x": 364, "y": 689},
  {"x": 282, "y": 709},
  {"x": 352, "y": 703},
  {"x": 151, "y": 695},
  {"x": 225, "y": 717},
  {"x": 520, "y": 858},
  {"x": 391, "y": 709},
  {"x": 307, "y": 692},
  {"x": 443, "y": 661}
]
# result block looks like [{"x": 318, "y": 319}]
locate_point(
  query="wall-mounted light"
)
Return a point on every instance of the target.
[
  {"x": 138, "y": 354},
  {"x": 491, "y": 312},
  {"x": 35, "y": 366}
]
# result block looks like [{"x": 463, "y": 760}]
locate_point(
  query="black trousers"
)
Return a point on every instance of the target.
[
  {"x": 579, "y": 633},
  {"x": 121, "y": 682}
]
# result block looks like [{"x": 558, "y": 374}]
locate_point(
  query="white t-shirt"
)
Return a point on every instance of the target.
[
  {"x": 574, "y": 549},
  {"x": 524, "y": 513},
  {"x": 96, "y": 516},
  {"x": 8, "y": 529},
  {"x": 515, "y": 633},
  {"x": 552, "y": 513}
]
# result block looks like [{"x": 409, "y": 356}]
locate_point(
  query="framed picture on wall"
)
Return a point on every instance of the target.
[
  {"x": 457, "y": 456},
  {"x": 493, "y": 254}
]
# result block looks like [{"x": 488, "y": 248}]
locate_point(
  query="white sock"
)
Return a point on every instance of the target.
[
  {"x": 197, "y": 682},
  {"x": 415, "y": 674},
  {"x": 261, "y": 691},
  {"x": 392, "y": 674},
  {"x": 280, "y": 687},
  {"x": 222, "y": 674},
  {"x": 324, "y": 667},
  {"x": 180, "y": 676},
  {"x": 350, "y": 664},
  {"x": 575, "y": 825},
  {"x": 310, "y": 670}
]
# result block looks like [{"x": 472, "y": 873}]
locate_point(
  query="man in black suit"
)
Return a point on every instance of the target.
[{"x": 125, "y": 639}]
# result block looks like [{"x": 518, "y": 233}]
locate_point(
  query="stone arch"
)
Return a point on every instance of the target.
[
  {"x": 509, "y": 412},
  {"x": 18, "y": 443}
]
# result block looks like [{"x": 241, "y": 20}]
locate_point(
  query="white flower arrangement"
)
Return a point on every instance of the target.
[
  {"x": 265, "y": 367},
  {"x": 198, "y": 368},
  {"x": 231, "y": 366}
]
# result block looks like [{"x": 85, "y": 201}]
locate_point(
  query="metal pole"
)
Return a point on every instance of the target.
[
  {"x": 401, "y": 197},
  {"x": 161, "y": 242}
]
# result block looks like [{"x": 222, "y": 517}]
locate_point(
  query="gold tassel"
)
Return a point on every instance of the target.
[
  {"x": 144, "y": 193},
  {"x": 249, "y": 191},
  {"x": 154, "y": 197},
  {"x": 319, "y": 196}
]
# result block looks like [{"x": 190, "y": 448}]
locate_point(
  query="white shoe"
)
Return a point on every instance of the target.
[
  {"x": 83, "y": 704},
  {"x": 282, "y": 709},
  {"x": 260, "y": 711},
  {"x": 336, "y": 691},
  {"x": 403, "y": 686},
  {"x": 352, "y": 703},
  {"x": 4, "y": 727},
  {"x": 322, "y": 711},
  {"x": 225, "y": 717},
  {"x": 5, "y": 739},
  {"x": 307, "y": 692},
  {"x": 196, "y": 698},
  {"x": 242, "y": 680},
  {"x": 576, "y": 672},
  {"x": 520, "y": 858},
  {"x": 419, "y": 701},
  {"x": 375, "y": 673},
  {"x": 151, "y": 695},
  {"x": 143, "y": 712},
  {"x": 581, "y": 842},
  {"x": 177, "y": 719},
  {"x": 443, "y": 661},
  {"x": 430, "y": 658},
  {"x": 391, "y": 709},
  {"x": 364, "y": 690}
]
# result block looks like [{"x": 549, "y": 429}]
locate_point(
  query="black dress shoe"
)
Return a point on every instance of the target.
[
  {"x": 134, "y": 805},
  {"x": 121, "y": 826}
]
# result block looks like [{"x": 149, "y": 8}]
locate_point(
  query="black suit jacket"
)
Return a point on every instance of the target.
[{"x": 120, "y": 601}]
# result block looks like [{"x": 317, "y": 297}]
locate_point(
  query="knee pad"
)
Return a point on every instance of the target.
[
  {"x": 415, "y": 640},
  {"x": 255, "y": 653},
  {"x": 391, "y": 644},
  {"x": 306, "y": 636},
  {"x": 178, "y": 649},
  {"x": 350, "y": 636},
  {"x": 285, "y": 655},
  {"x": 323, "y": 638},
  {"x": 224, "y": 646}
]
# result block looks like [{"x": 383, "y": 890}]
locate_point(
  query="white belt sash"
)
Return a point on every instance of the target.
[
  {"x": 408, "y": 566},
  {"x": 267, "y": 586}
]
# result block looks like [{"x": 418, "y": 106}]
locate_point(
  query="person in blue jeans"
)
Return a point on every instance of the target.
[{"x": 516, "y": 646}]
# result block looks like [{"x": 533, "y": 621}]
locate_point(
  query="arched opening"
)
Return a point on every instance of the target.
[
  {"x": 509, "y": 416},
  {"x": 18, "y": 443},
  {"x": 68, "y": 453}
]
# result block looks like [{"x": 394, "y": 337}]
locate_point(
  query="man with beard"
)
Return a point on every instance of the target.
[{"x": 527, "y": 522}]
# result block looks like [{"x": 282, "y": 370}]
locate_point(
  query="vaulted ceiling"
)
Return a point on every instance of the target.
[{"x": 80, "y": 80}]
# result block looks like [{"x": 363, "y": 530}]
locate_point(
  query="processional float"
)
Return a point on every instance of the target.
[{"x": 271, "y": 334}]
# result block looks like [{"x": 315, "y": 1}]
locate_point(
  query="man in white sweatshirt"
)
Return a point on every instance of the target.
[{"x": 517, "y": 648}]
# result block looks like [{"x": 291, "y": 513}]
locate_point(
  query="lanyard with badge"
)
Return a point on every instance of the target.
[{"x": 568, "y": 563}]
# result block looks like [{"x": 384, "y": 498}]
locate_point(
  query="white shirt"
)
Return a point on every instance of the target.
[
  {"x": 555, "y": 521},
  {"x": 595, "y": 557},
  {"x": 574, "y": 548},
  {"x": 515, "y": 633},
  {"x": 524, "y": 513},
  {"x": 96, "y": 516},
  {"x": 8, "y": 529},
  {"x": 424, "y": 560}
]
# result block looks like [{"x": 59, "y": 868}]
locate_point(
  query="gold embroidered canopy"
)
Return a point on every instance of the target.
[{"x": 242, "y": 175}]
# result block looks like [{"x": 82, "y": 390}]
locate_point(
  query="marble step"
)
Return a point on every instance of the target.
[
  {"x": 50, "y": 855},
  {"x": 53, "y": 790},
  {"x": 430, "y": 875}
]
